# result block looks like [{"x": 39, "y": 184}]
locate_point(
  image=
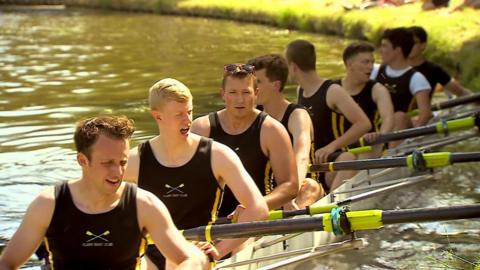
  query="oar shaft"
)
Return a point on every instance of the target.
[
  {"x": 455, "y": 102},
  {"x": 429, "y": 214}
]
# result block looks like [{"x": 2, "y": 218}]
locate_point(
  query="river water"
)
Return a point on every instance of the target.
[{"x": 60, "y": 65}]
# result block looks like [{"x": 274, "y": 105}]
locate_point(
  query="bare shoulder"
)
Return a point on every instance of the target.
[
  {"x": 272, "y": 131},
  {"x": 299, "y": 114},
  {"x": 221, "y": 152},
  {"x": 43, "y": 206},
  {"x": 201, "y": 126}
]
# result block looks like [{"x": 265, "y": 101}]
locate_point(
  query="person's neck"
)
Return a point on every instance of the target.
[
  {"x": 173, "y": 150},
  {"x": 416, "y": 61},
  {"x": 399, "y": 64},
  {"x": 276, "y": 106},
  {"x": 310, "y": 82},
  {"x": 352, "y": 85},
  {"x": 233, "y": 124},
  {"x": 89, "y": 200}
]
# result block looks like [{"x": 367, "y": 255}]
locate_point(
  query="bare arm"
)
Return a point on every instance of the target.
[
  {"x": 201, "y": 126},
  {"x": 424, "y": 109},
  {"x": 457, "y": 89},
  {"x": 228, "y": 168},
  {"x": 155, "y": 218},
  {"x": 31, "y": 231},
  {"x": 133, "y": 166},
  {"x": 277, "y": 146},
  {"x": 382, "y": 98},
  {"x": 300, "y": 126},
  {"x": 339, "y": 100}
]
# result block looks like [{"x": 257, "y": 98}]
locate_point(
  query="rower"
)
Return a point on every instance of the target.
[
  {"x": 408, "y": 87},
  {"x": 434, "y": 73},
  {"x": 261, "y": 142},
  {"x": 325, "y": 101},
  {"x": 99, "y": 221},
  {"x": 372, "y": 97},
  {"x": 271, "y": 72},
  {"x": 189, "y": 172}
]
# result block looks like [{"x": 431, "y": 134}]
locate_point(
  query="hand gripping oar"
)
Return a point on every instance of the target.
[
  {"x": 337, "y": 221},
  {"x": 320, "y": 209},
  {"x": 417, "y": 161},
  {"x": 450, "y": 103},
  {"x": 442, "y": 127}
]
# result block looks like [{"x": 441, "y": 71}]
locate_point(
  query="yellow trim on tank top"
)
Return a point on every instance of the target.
[
  {"x": 266, "y": 179},
  {"x": 50, "y": 254}
]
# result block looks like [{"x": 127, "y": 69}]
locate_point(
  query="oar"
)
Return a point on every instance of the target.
[
  {"x": 320, "y": 209},
  {"x": 417, "y": 161},
  {"x": 357, "y": 221},
  {"x": 450, "y": 103},
  {"x": 442, "y": 127}
]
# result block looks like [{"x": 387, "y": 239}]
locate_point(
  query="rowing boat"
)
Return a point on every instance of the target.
[{"x": 374, "y": 186}]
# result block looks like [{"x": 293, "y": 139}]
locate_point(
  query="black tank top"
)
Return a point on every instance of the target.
[
  {"x": 323, "y": 118},
  {"x": 248, "y": 148},
  {"x": 365, "y": 101},
  {"x": 190, "y": 192},
  {"x": 399, "y": 89},
  {"x": 111, "y": 240}
]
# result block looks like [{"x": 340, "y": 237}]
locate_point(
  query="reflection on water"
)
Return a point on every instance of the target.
[{"x": 57, "y": 66}]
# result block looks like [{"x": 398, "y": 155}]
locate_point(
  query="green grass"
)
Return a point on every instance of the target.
[{"x": 454, "y": 38}]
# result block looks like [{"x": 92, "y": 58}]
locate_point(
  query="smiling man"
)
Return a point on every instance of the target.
[
  {"x": 409, "y": 88},
  {"x": 371, "y": 96},
  {"x": 261, "y": 142},
  {"x": 99, "y": 221},
  {"x": 189, "y": 172}
]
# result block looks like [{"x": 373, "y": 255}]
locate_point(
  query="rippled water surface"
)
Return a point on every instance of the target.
[{"x": 57, "y": 66}]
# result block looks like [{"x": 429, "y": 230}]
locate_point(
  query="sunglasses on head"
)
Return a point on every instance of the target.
[{"x": 238, "y": 68}]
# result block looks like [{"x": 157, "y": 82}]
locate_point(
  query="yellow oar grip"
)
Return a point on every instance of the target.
[
  {"x": 314, "y": 210},
  {"x": 275, "y": 214},
  {"x": 359, "y": 220}
]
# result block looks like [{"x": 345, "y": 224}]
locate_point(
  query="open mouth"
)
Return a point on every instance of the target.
[
  {"x": 113, "y": 181},
  {"x": 184, "y": 131}
]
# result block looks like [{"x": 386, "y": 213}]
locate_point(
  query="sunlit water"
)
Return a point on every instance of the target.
[{"x": 57, "y": 66}]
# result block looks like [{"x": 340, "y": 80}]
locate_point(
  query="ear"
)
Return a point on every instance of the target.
[
  {"x": 82, "y": 159},
  {"x": 155, "y": 115},
  {"x": 277, "y": 85},
  {"x": 222, "y": 93}
]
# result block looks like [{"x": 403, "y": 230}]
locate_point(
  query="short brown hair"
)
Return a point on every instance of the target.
[
  {"x": 275, "y": 67},
  {"x": 168, "y": 90},
  {"x": 88, "y": 131},
  {"x": 302, "y": 53},
  {"x": 356, "y": 48},
  {"x": 240, "y": 75}
]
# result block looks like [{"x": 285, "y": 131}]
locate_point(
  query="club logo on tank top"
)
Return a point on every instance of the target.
[
  {"x": 97, "y": 240},
  {"x": 175, "y": 191}
]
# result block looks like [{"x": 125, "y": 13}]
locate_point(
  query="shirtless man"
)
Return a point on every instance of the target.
[
  {"x": 408, "y": 87},
  {"x": 271, "y": 72},
  {"x": 99, "y": 221},
  {"x": 434, "y": 73},
  {"x": 261, "y": 142},
  {"x": 189, "y": 172},
  {"x": 326, "y": 101},
  {"x": 372, "y": 97}
]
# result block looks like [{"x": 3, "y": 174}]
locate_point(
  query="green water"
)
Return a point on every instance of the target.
[{"x": 57, "y": 66}]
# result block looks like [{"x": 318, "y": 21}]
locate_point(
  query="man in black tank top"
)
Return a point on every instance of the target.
[
  {"x": 408, "y": 88},
  {"x": 260, "y": 141},
  {"x": 325, "y": 102},
  {"x": 271, "y": 72},
  {"x": 189, "y": 172},
  {"x": 98, "y": 221},
  {"x": 371, "y": 96},
  {"x": 434, "y": 73}
]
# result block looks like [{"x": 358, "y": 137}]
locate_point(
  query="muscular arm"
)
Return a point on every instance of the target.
[
  {"x": 31, "y": 231},
  {"x": 201, "y": 126},
  {"x": 153, "y": 216},
  {"x": 133, "y": 166},
  {"x": 339, "y": 100},
  {"x": 457, "y": 89},
  {"x": 277, "y": 146},
  {"x": 424, "y": 109},
  {"x": 300, "y": 126},
  {"x": 228, "y": 168},
  {"x": 382, "y": 98}
]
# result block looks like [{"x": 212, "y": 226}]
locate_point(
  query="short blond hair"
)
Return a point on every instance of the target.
[{"x": 168, "y": 90}]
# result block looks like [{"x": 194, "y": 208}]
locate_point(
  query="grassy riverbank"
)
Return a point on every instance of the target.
[{"x": 454, "y": 37}]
